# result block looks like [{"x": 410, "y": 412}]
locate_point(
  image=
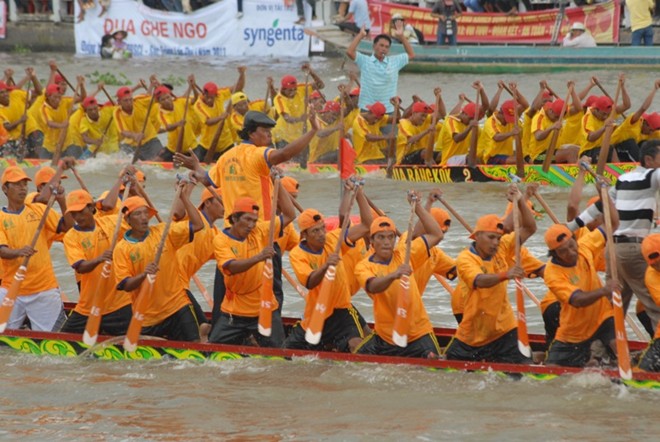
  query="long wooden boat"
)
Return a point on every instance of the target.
[
  {"x": 110, "y": 348},
  {"x": 560, "y": 175}
]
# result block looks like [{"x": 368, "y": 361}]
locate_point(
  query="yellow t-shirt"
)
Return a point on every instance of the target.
[
  {"x": 540, "y": 122},
  {"x": 242, "y": 296},
  {"x": 408, "y": 130},
  {"x": 207, "y": 132},
  {"x": 134, "y": 121},
  {"x": 487, "y": 314},
  {"x": 59, "y": 115},
  {"x": 652, "y": 281},
  {"x": 97, "y": 129},
  {"x": 320, "y": 146},
  {"x": 627, "y": 130},
  {"x": 451, "y": 126},
  {"x": 577, "y": 324},
  {"x": 16, "y": 231},
  {"x": 294, "y": 107},
  {"x": 81, "y": 245},
  {"x": 35, "y": 119},
  {"x": 174, "y": 116},
  {"x": 73, "y": 136},
  {"x": 14, "y": 111},
  {"x": 571, "y": 131},
  {"x": 368, "y": 150},
  {"x": 195, "y": 254},
  {"x": 590, "y": 124},
  {"x": 488, "y": 146},
  {"x": 131, "y": 257}
]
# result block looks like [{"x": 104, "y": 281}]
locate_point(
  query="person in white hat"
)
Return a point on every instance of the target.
[{"x": 578, "y": 37}]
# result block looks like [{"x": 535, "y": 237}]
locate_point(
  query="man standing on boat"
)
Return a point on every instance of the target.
[
  {"x": 488, "y": 331},
  {"x": 379, "y": 72}
]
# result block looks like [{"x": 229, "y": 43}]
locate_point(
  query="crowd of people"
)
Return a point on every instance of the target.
[{"x": 244, "y": 140}]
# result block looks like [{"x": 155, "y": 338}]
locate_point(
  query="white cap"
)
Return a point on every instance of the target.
[
  {"x": 397, "y": 17},
  {"x": 578, "y": 26}
]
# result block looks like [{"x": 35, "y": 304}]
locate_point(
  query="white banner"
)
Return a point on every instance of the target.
[{"x": 266, "y": 29}]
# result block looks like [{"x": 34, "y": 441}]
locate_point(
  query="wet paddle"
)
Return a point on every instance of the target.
[
  {"x": 474, "y": 133},
  {"x": 143, "y": 298},
  {"x": 550, "y": 153},
  {"x": 428, "y": 155},
  {"x": 22, "y": 141},
  {"x": 144, "y": 128},
  {"x": 391, "y": 149},
  {"x": 547, "y": 208},
  {"x": 520, "y": 159},
  {"x": 98, "y": 300},
  {"x": 266, "y": 289},
  {"x": 304, "y": 155},
  {"x": 182, "y": 129},
  {"x": 322, "y": 309},
  {"x": 210, "y": 153},
  {"x": 401, "y": 318},
  {"x": 523, "y": 338},
  {"x": 7, "y": 304},
  {"x": 607, "y": 135}
]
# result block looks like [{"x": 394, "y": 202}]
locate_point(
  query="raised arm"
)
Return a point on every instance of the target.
[{"x": 351, "y": 51}]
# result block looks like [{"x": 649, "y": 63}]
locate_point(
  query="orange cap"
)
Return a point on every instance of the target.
[
  {"x": 291, "y": 185},
  {"x": 245, "y": 205},
  {"x": 14, "y": 174},
  {"x": 77, "y": 200},
  {"x": 593, "y": 200},
  {"x": 382, "y": 224},
  {"x": 441, "y": 217},
  {"x": 44, "y": 175},
  {"x": 488, "y": 223},
  {"x": 557, "y": 235},
  {"x": 206, "y": 195},
  {"x": 309, "y": 218},
  {"x": 135, "y": 202},
  {"x": 651, "y": 248}
]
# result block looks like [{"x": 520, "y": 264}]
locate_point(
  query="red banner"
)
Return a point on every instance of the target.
[{"x": 601, "y": 20}]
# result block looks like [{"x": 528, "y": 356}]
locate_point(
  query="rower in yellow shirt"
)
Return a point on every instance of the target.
[
  {"x": 369, "y": 143},
  {"x": 497, "y": 136},
  {"x": 129, "y": 117},
  {"x": 324, "y": 147},
  {"x": 210, "y": 109},
  {"x": 13, "y": 114},
  {"x": 544, "y": 123},
  {"x": 412, "y": 137},
  {"x": 171, "y": 113},
  {"x": 55, "y": 113},
  {"x": 240, "y": 106},
  {"x": 97, "y": 128}
]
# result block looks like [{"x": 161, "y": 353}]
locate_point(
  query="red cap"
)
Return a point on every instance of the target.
[
  {"x": 315, "y": 94},
  {"x": 160, "y": 91},
  {"x": 52, "y": 89},
  {"x": 508, "y": 111},
  {"x": 354, "y": 92},
  {"x": 556, "y": 106},
  {"x": 590, "y": 100},
  {"x": 89, "y": 102},
  {"x": 123, "y": 92},
  {"x": 4, "y": 86},
  {"x": 58, "y": 78},
  {"x": 331, "y": 106},
  {"x": 211, "y": 88},
  {"x": 420, "y": 106},
  {"x": 546, "y": 96},
  {"x": 653, "y": 120},
  {"x": 469, "y": 109},
  {"x": 289, "y": 82},
  {"x": 603, "y": 104},
  {"x": 378, "y": 109}
]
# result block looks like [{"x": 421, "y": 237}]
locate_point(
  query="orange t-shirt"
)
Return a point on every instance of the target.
[
  {"x": 652, "y": 281},
  {"x": 304, "y": 262},
  {"x": 577, "y": 324},
  {"x": 351, "y": 258},
  {"x": 132, "y": 256},
  {"x": 385, "y": 303},
  {"x": 487, "y": 315},
  {"x": 83, "y": 245},
  {"x": 16, "y": 231},
  {"x": 195, "y": 254},
  {"x": 242, "y": 296}
]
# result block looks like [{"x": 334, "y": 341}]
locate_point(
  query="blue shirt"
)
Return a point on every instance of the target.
[
  {"x": 360, "y": 12},
  {"x": 379, "y": 79}
]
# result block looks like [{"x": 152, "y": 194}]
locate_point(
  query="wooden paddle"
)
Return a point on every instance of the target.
[
  {"x": 474, "y": 133},
  {"x": 21, "y": 140},
  {"x": 62, "y": 138},
  {"x": 622, "y": 351},
  {"x": 401, "y": 318},
  {"x": 182, "y": 129},
  {"x": 266, "y": 289},
  {"x": 210, "y": 153},
  {"x": 304, "y": 155},
  {"x": 143, "y": 299},
  {"x": 79, "y": 179},
  {"x": 428, "y": 155},
  {"x": 604, "y": 91},
  {"x": 98, "y": 299},
  {"x": 144, "y": 128},
  {"x": 523, "y": 338},
  {"x": 108, "y": 96},
  {"x": 520, "y": 158},
  {"x": 607, "y": 135},
  {"x": 550, "y": 153},
  {"x": 391, "y": 149},
  {"x": 547, "y": 208},
  {"x": 322, "y": 309},
  {"x": 7, "y": 304},
  {"x": 105, "y": 131}
]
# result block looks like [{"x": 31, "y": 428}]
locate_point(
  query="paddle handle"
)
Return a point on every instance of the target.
[
  {"x": 549, "y": 155},
  {"x": 607, "y": 135},
  {"x": 547, "y": 208},
  {"x": 474, "y": 133},
  {"x": 428, "y": 156},
  {"x": 144, "y": 128}
]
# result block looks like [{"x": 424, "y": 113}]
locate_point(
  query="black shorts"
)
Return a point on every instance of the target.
[
  {"x": 199, "y": 313},
  {"x": 180, "y": 326},
  {"x": 551, "y": 321},
  {"x": 413, "y": 158},
  {"x": 651, "y": 357},
  {"x": 422, "y": 347},
  {"x": 503, "y": 350},
  {"x": 113, "y": 323},
  {"x": 242, "y": 330},
  {"x": 578, "y": 354},
  {"x": 339, "y": 328}
]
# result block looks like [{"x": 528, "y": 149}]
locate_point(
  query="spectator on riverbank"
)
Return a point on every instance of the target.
[
  {"x": 358, "y": 10},
  {"x": 446, "y": 11},
  {"x": 409, "y": 33},
  {"x": 300, "y": 8},
  {"x": 641, "y": 21},
  {"x": 578, "y": 37}
]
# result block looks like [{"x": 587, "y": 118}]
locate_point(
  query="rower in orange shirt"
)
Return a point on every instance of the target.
[
  {"x": 488, "y": 330},
  {"x": 169, "y": 313},
  {"x": 379, "y": 275},
  {"x": 240, "y": 252},
  {"x": 310, "y": 261},
  {"x": 87, "y": 247},
  {"x": 651, "y": 251},
  {"x": 39, "y": 296}
]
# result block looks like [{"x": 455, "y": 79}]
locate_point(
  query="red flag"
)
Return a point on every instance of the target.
[{"x": 347, "y": 155}]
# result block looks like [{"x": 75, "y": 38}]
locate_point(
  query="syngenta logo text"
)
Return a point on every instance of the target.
[{"x": 273, "y": 35}]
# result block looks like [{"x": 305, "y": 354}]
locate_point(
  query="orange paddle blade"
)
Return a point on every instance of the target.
[
  {"x": 316, "y": 322},
  {"x": 139, "y": 308},
  {"x": 94, "y": 319},
  {"x": 10, "y": 298},
  {"x": 266, "y": 305},
  {"x": 523, "y": 338},
  {"x": 401, "y": 318},
  {"x": 622, "y": 351}
]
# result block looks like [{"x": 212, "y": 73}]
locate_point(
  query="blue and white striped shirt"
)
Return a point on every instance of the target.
[{"x": 379, "y": 79}]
